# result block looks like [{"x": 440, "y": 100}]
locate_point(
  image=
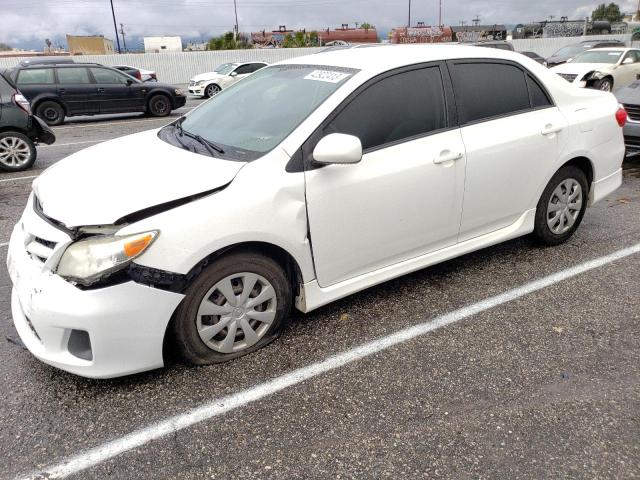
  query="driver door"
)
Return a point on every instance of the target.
[
  {"x": 404, "y": 198},
  {"x": 629, "y": 69}
]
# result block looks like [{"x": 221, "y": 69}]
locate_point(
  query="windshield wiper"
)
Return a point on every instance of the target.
[{"x": 209, "y": 145}]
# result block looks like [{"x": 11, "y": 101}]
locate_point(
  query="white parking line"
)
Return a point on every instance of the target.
[
  {"x": 222, "y": 405},
  {"x": 75, "y": 143},
  {"x": 4, "y": 244},
  {"x": 15, "y": 179}
]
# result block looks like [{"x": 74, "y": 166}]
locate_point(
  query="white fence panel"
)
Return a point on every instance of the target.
[
  {"x": 179, "y": 67},
  {"x": 545, "y": 47}
]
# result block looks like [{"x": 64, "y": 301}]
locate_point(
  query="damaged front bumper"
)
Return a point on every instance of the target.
[{"x": 97, "y": 333}]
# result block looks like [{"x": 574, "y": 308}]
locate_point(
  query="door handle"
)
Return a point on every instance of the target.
[
  {"x": 447, "y": 156},
  {"x": 61, "y": 90},
  {"x": 100, "y": 90},
  {"x": 550, "y": 130}
]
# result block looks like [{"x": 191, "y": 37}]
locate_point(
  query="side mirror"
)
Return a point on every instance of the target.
[
  {"x": 129, "y": 82},
  {"x": 338, "y": 148},
  {"x": 233, "y": 74},
  {"x": 627, "y": 61}
]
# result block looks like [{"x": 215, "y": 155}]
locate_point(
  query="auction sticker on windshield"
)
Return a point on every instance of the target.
[{"x": 327, "y": 76}]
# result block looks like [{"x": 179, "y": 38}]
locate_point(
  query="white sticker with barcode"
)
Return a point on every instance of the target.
[{"x": 326, "y": 76}]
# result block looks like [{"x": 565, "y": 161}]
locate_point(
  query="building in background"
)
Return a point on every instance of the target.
[
  {"x": 421, "y": 34},
  {"x": 89, "y": 45},
  {"x": 162, "y": 44},
  {"x": 272, "y": 39},
  {"x": 349, "y": 35}
]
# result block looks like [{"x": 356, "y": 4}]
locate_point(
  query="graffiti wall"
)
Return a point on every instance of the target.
[{"x": 421, "y": 35}]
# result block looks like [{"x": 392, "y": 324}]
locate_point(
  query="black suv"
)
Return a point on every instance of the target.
[
  {"x": 19, "y": 129},
  {"x": 63, "y": 89}
]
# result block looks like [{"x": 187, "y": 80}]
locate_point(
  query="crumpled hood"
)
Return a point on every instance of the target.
[
  {"x": 581, "y": 69},
  {"x": 105, "y": 182},
  {"x": 207, "y": 76}
]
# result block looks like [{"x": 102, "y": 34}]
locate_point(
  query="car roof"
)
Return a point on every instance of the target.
[
  {"x": 612, "y": 49},
  {"x": 387, "y": 57}
]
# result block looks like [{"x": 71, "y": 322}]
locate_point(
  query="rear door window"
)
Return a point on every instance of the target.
[
  {"x": 398, "y": 107},
  {"x": 73, "y": 76},
  {"x": 539, "y": 98},
  {"x": 487, "y": 90},
  {"x": 36, "y": 76},
  {"x": 104, "y": 75}
]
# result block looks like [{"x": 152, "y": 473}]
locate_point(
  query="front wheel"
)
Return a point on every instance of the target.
[
  {"x": 17, "y": 152},
  {"x": 237, "y": 305},
  {"x": 606, "y": 85},
  {"x": 211, "y": 90},
  {"x": 561, "y": 206},
  {"x": 159, "y": 106}
]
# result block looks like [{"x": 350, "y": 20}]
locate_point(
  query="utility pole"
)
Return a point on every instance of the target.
[
  {"x": 440, "y": 13},
  {"x": 124, "y": 43},
  {"x": 235, "y": 28},
  {"x": 409, "y": 21},
  {"x": 113, "y": 14}
]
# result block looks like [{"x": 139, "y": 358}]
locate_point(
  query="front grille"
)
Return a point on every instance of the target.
[
  {"x": 633, "y": 111},
  {"x": 569, "y": 77}
]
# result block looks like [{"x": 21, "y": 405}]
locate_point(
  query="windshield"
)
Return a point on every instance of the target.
[
  {"x": 256, "y": 114},
  {"x": 225, "y": 68},
  {"x": 571, "y": 50},
  {"x": 598, "y": 56}
]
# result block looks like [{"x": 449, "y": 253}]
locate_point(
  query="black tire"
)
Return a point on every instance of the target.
[
  {"x": 22, "y": 161},
  {"x": 542, "y": 231},
  {"x": 212, "y": 90},
  {"x": 51, "y": 112},
  {"x": 159, "y": 105},
  {"x": 187, "y": 340},
  {"x": 604, "y": 84}
]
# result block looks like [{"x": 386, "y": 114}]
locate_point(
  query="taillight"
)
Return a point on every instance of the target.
[
  {"x": 621, "y": 116},
  {"x": 21, "y": 102}
]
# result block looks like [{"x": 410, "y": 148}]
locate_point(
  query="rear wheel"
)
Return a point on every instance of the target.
[
  {"x": 237, "y": 305},
  {"x": 159, "y": 106},
  {"x": 562, "y": 206},
  {"x": 17, "y": 152},
  {"x": 51, "y": 112}
]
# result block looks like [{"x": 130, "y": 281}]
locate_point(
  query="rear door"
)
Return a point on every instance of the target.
[
  {"x": 404, "y": 198},
  {"x": 511, "y": 131},
  {"x": 77, "y": 90},
  {"x": 117, "y": 93}
]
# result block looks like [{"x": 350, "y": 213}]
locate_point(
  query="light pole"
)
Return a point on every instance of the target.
[
  {"x": 409, "y": 22},
  {"x": 113, "y": 14},
  {"x": 235, "y": 28}
]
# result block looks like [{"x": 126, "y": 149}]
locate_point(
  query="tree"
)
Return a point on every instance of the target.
[
  {"x": 609, "y": 12},
  {"x": 4, "y": 47},
  {"x": 367, "y": 26},
  {"x": 226, "y": 42}
]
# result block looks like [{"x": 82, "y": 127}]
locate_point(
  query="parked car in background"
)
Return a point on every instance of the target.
[
  {"x": 629, "y": 97},
  {"x": 602, "y": 68},
  {"x": 536, "y": 57},
  {"x": 204, "y": 234},
  {"x": 20, "y": 130},
  {"x": 139, "y": 73},
  {"x": 570, "y": 51},
  {"x": 209, "y": 84},
  {"x": 56, "y": 91}
]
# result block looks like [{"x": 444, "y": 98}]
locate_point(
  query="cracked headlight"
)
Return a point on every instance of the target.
[
  {"x": 87, "y": 261},
  {"x": 593, "y": 76}
]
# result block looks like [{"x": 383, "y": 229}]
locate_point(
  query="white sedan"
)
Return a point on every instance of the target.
[
  {"x": 308, "y": 181},
  {"x": 209, "y": 84},
  {"x": 605, "y": 69}
]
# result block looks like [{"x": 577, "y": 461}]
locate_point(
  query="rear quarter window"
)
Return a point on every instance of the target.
[{"x": 36, "y": 76}]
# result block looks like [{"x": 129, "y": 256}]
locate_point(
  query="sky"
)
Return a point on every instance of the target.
[{"x": 26, "y": 23}]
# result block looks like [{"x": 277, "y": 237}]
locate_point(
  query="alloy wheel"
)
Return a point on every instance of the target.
[
  {"x": 564, "y": 206},
  {"x": 236, "y": 312},
  {"x": 14, "y": 152}
]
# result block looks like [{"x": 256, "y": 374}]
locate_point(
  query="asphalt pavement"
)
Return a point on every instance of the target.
[{"x": 544, "y": 386}]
